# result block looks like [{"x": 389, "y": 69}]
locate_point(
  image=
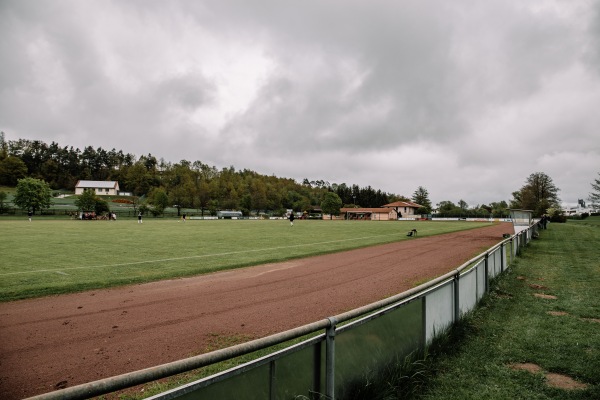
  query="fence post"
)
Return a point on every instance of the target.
[
  {"x": 502, "y": 257},
  {"x": 330, "y": 360},
  {"x": 486, "y": 268},
  {"x": 272, "y": 382},
  {"x": 456, "y": 282}
]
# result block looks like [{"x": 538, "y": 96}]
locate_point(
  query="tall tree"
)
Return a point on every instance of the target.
[
  {"x": 421, "y": 197},
  {"x": 11, "y": 170},
  {"x": 499, "y": 209},
  {"x": 447, "y": 207},
  {"x": 595, "y": 195},
  {"x": 32, "y": 194},
  {"x": 538, "y": 194},
  {"x": 331, "y": 204}
]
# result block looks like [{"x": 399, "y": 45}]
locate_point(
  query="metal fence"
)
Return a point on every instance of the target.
[{"x": 341, "y": 350}]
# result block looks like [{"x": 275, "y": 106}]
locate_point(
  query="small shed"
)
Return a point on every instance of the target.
[
  {"x": 101, "y": 188},
  {"x": 521, "y": 219},
  {"x": 229, "y": 214}
]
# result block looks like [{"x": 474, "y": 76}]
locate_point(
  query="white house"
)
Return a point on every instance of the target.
[
  {"x": 101, "y": 188},
  {"x": 404, "y": 209},
  {"x": 580, "y": 209}
]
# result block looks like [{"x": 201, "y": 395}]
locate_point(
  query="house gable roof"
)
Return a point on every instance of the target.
[{"x": 403, "y": 204}]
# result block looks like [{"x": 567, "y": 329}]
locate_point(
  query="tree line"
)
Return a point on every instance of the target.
[
  {"x": 184, "y": 184},
  {"x": 196, "y": 185}
]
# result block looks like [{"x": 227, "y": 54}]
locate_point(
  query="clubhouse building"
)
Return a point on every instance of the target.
[{"x": 388, "y": 212}]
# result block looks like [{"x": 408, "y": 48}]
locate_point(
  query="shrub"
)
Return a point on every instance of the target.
[
  {"x": 101, "y": 206},
  {"x": 558, "y": 218}
]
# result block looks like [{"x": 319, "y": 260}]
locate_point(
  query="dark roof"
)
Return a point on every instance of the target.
[{"x": 378, "y": 210}]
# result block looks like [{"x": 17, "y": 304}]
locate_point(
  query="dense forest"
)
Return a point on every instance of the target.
[{"x": 185, "y": 184}]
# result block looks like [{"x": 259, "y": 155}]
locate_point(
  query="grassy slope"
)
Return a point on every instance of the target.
[
  {"x": 50, "y": 256},
  {"x": 513, "y": 326}
]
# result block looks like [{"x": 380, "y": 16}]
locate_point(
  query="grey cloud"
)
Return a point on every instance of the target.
[
  {"x": 189, "y": 91},
  {"x": 454, "y": 94}
]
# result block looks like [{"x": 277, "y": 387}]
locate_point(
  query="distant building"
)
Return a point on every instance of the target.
[
  {"x": 388, "y": 212},
  {"x": 404, "y": 209},
  {"x": 101, "y": 188},
  {"x": 369, "y": 214},
  {"x": 581, "y": 209},
  {"x": 229, "y": 214}
]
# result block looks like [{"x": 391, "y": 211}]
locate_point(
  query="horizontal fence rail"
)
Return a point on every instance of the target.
[{"x": 342, "y": 349}]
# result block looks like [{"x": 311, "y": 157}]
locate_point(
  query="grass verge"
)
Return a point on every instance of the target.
[{"x": 536, "y": 335}]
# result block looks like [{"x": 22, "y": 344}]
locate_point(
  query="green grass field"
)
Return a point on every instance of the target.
[
  {"x": 49, "y": 256},
  {"x": 560, "y": 335},
  {"x": 516, "y": 344}
]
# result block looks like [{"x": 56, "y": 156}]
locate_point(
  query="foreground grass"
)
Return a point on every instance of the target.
[
  {"x": 514, "y": 329},
  {"x": 49, "y": 256}
]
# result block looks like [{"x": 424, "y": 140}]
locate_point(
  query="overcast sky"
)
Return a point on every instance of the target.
[{"x": 466, "y": 98}]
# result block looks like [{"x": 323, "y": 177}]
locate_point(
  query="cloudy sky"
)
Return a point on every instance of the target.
[{"x": 466, "y": 98}]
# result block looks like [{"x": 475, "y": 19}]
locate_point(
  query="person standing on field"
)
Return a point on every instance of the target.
[
  {"x": 291, "y": 218},
  {"x": 140, "y": 218},
  {"x": 29, "y": 214}
]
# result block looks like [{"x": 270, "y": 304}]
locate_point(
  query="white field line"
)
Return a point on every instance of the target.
[{"x": 59, "y": 270}]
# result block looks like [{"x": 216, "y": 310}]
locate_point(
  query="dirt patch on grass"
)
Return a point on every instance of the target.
[
  {"x": 538, "y": 287},
  {"x": 557, "y": 313},
  {"x": 521, "y": 278},
  {"x": 545, "y": 296},
  {"x": 597, "y": 320},
  {"x": 529, "y": 367},
  {"x": 560, "y": 381},
  {"x": 554, "y": 380}
]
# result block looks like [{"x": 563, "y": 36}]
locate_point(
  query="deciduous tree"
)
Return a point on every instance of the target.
[
  {"x": 32, "y": 194},
  {"x": 331, "y": 204},
  {"x": 11, "y": 170},
  {"x": 538, "y": 194},
  {"x": 159, "y": 199}
]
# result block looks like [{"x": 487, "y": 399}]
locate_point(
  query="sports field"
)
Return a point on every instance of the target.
[{"x": 60, "y": 256}]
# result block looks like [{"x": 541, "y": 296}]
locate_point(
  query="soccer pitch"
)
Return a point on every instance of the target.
[{"x": 55, "y": 256}]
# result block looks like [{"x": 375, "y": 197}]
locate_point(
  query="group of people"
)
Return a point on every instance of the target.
[{"x": 91, "y": 216}]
